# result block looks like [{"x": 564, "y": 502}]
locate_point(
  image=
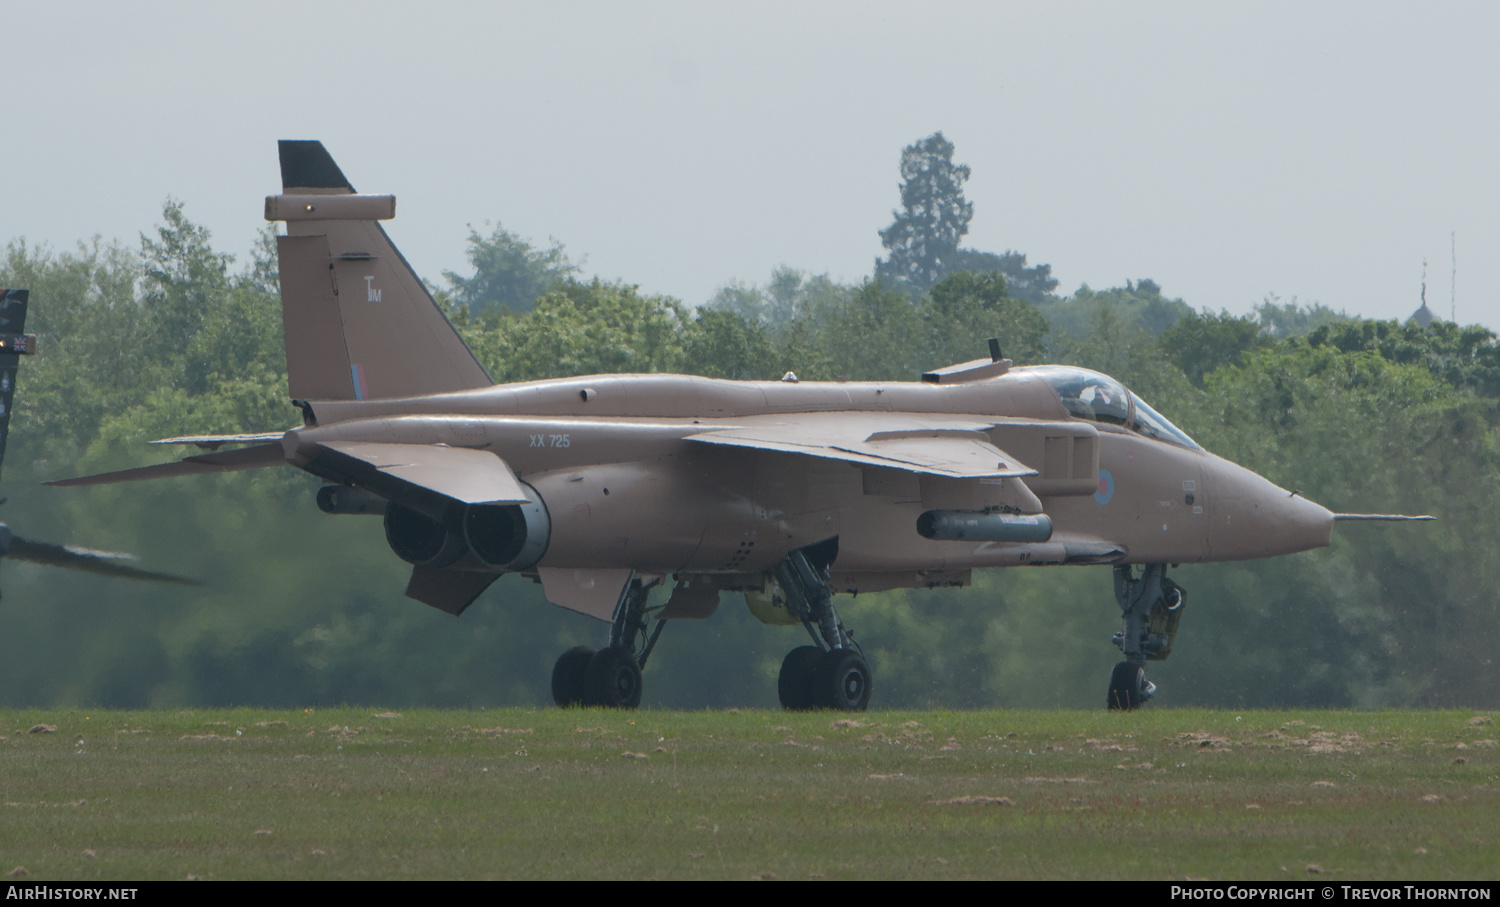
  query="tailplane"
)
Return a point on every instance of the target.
[{"x": 359, "y": 324}]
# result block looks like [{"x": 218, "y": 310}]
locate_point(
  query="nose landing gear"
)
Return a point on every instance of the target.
[{"x": 1152, "y": 608}]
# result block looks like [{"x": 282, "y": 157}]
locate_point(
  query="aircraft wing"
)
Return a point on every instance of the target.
[
  {"x": 914, "y": 442},
  {"x": 223, "y": 461},
  {"x": 470, "y": 476},
  {"x": 214, "y": 442}
]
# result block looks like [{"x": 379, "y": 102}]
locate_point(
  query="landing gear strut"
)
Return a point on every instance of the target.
[
  {"x": 832, "y": 673},
  {"x": 610, "y": 677},
  {"x": 1152, "y": 609}
]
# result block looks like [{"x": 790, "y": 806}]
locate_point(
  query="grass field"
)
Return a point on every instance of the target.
[{"x": 364, "y": 793}]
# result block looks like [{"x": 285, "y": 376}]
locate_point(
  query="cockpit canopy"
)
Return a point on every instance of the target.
[{"x": 1099, "y": 398}]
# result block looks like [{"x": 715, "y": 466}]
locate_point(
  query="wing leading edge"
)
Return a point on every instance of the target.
[
  {"x": 955, "y": 448},
  {"x": 256, "y": 457}
]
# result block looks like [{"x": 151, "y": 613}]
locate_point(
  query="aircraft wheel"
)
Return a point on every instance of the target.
[
  {"x": 613, "y": 679},
  {"x": 841, "y": 681},
  {"x": 568, "y": 674},
  {"x": 794, "y": 684},
  {"x": 1128, "y": 687}
]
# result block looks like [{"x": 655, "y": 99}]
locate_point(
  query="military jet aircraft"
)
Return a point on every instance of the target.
[
  {"x": 604, "y": 487},
  {"x": 15, "y": 343}
]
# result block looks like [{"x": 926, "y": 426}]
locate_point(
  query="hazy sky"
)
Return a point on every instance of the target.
[{"x": 1226, "y": 150}]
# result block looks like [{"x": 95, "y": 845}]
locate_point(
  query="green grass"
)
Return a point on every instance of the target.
[{"x": 512, "y": 793}]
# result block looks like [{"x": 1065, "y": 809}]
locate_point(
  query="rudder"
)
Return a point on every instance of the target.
[{"x": 359, "y": 323}]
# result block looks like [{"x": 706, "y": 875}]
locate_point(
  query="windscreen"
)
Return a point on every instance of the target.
[
  {"x": 1100, "y": 398},
  {"x": 1153, "y": 424}
]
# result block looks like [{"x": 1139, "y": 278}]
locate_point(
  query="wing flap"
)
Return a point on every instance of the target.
[{"x": 469, "y": 476}]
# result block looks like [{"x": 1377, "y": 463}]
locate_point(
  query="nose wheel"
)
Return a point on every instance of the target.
[
  {"x": 1151, "y": 606},
  {"x": 1128, "y": 687}
]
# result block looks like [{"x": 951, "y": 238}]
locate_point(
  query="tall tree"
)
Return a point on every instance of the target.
[
  {"x": 934, "y": 216},
  {"x": 509, "y": 273},
  {"x": 183, "y": 278}
]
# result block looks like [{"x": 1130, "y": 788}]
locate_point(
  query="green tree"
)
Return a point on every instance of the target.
[
  {"x": 88, "y": 365},
  {"x": 934, "y": 216},
  {"x": 1389, "y": 614},
  {"x": 580, "y": 328},
  {"x": 963, "y": 310},
  {"x": 1280, "y": 320},
  {"x": 875, "y": 335},
  {"x": 722, "y": 344},
  {"x": 509, "y": 273},
  {"x": 1138, "y": 304},
  {"x": 182, "y": 277},
  {"x": 1200, "y": 343},
  {"x": 1033, "y": 284},
  {"x": 1464, "y": 357},
  {"x": 790, "y": 297}
]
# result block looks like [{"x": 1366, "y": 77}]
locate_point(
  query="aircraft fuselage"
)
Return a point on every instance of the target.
[{"x": 624, "y": 487}]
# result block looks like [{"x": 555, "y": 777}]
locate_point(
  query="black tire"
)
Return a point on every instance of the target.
[
  {"x": 1126, "y": 684},
  {"x": 613, "y": 679},
  {"x": 841, "y": 682},
  {"x": 794, "y": 683},
  {"x": 567, "y": 676}
]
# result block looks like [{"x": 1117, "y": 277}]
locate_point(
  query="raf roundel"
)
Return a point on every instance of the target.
[{"x": 1106, "y": 487}]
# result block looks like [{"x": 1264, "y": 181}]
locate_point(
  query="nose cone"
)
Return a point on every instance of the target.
[{"x": 1252, "y": 518}]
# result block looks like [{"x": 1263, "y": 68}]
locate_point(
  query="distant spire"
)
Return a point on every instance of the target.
[{"x": 1424, "y": 316}]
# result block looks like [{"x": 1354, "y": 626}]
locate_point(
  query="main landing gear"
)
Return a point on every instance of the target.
[
  {"x": 1152, "y": 608},
  {"x": 610, "y": 677},
  {"x": 832, "y": 673}
]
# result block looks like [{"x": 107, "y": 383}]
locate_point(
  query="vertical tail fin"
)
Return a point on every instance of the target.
[
  {"x": 359, "y": 324},
  {"x": 14, "y": 344}
]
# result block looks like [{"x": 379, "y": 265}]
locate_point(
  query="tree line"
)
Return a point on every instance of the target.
[{"x": 170, "y": 336}]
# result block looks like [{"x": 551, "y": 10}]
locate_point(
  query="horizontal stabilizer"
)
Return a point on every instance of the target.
[
  {"x": 469, "y": 476},
  {"x": 255, "y": 457},
  {"x": 1379, "y": 518},
  {"x": 956, "y": 448},
  {"x": 103, "y": 562}
]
